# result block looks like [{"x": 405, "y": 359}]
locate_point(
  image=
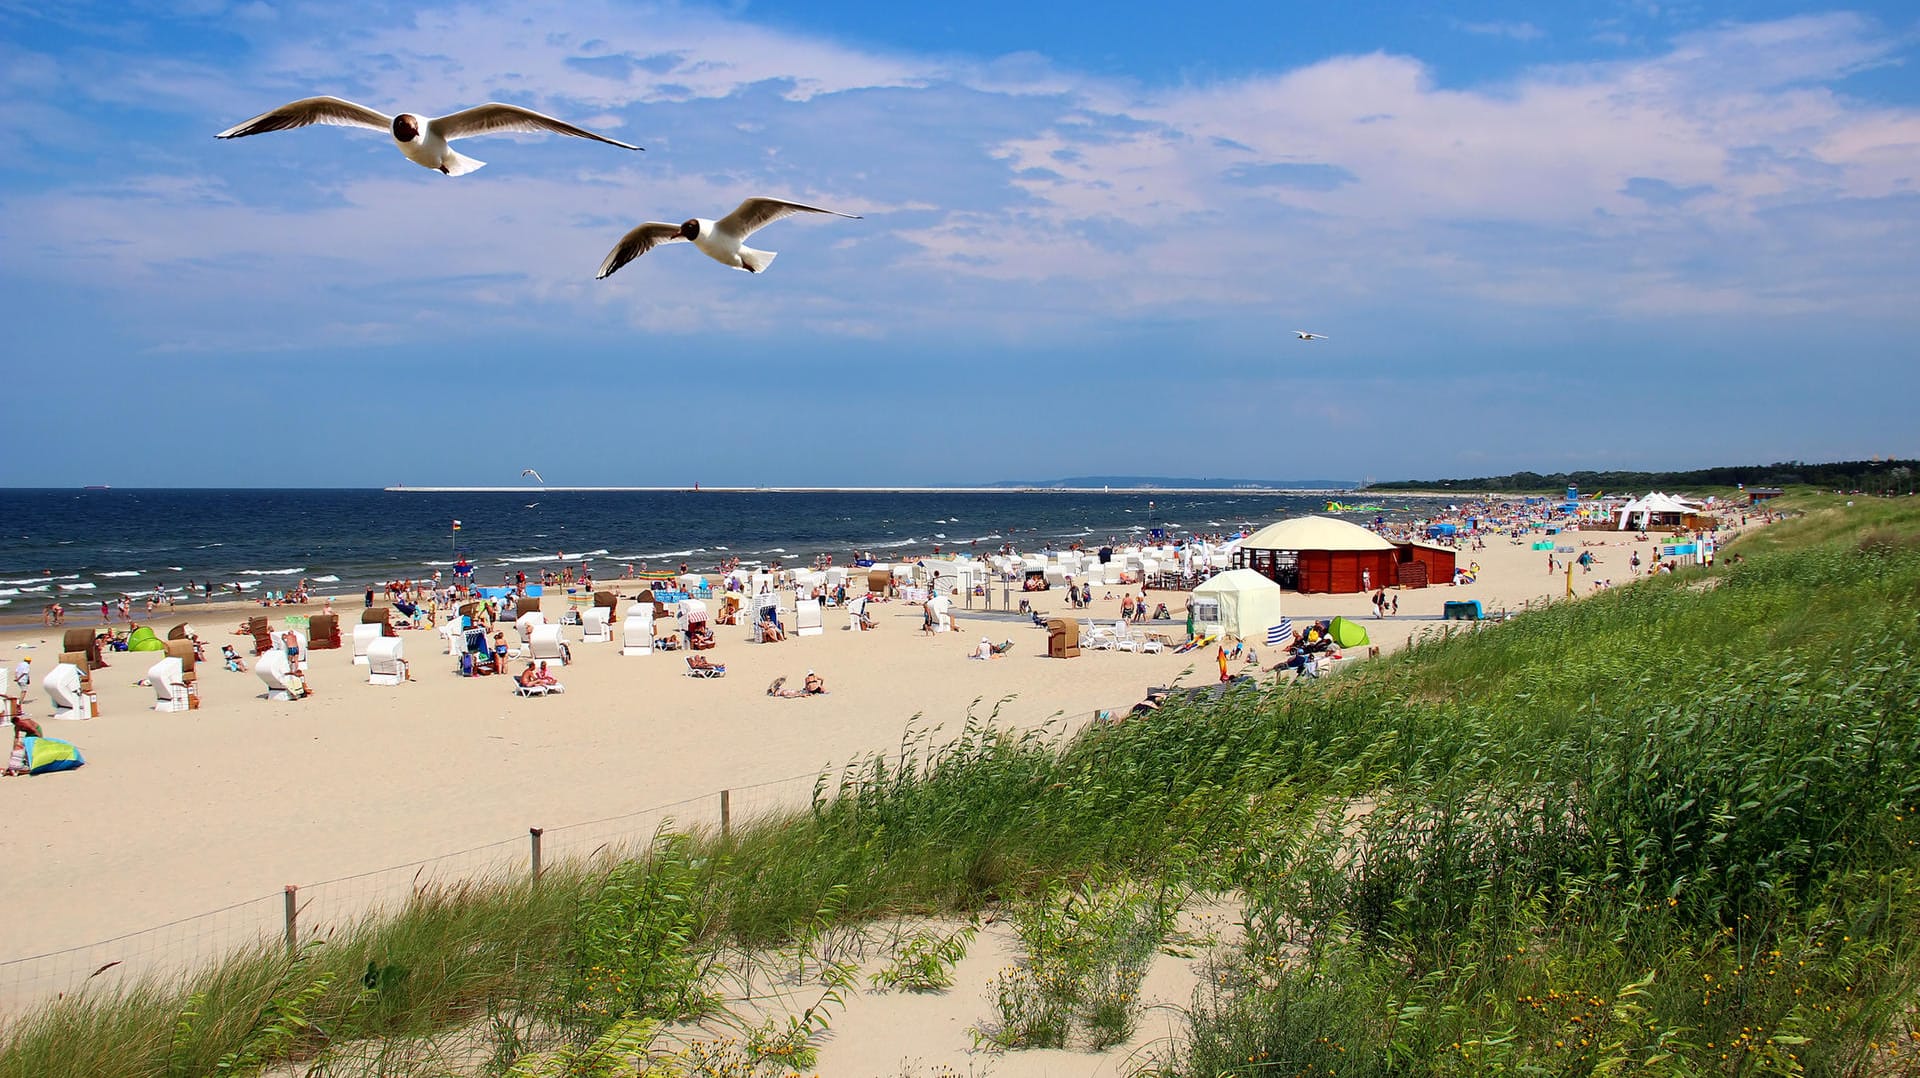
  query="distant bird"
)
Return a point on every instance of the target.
[
  {"x": 720, "y": 240},
  {"x": 536, "y": 476},
  {"x": 1305, "y": 336},
  {"x": 530, "y": 505},
  {"x": 423, "y": 139}
]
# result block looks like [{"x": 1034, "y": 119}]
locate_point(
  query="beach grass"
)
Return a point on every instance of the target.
[{"x": 1669, "y": 828}]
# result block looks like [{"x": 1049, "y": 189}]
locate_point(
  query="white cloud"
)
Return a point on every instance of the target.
[{"x": 1517, "y": 30}]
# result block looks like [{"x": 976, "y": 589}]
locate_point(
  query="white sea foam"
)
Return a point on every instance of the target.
[
  {"x": 896, "y": 543},
  {"x": 273, "y": 572},
  {"x": 42, "y": 587},
  {"x": 176, "y": 569},
  {"x": 327, "y": 579},
  {"x": 124, "y": 572},
  {"x": 39, "y": 579},
  {"x": 662, "y": 554},
  {"x": 6, "y": 602},
  {"x": 204, "y": 546},
  {"x": 245, "y": 584},
  {"x": 9, "y": 591},
  {"x": 76, "y": 587}
]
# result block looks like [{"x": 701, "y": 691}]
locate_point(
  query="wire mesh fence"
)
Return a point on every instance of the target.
[{"x": 311, "y": 912}]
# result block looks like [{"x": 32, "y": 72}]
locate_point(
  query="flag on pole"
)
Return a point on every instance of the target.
[
  {"x": 456, "y": 525},
  {"x": 1281, "y": 633}
]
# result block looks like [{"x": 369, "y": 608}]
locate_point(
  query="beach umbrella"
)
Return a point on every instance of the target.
[{"x": 47, "y": 754}]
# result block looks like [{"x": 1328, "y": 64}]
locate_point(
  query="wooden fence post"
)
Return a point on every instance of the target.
[
  {"x": 533, "y": 836},
  {"x": 293, "y": 920},
  {"x": 726, "y": 813}
]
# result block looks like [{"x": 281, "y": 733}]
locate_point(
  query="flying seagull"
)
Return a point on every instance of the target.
[
  {"x": 720, "y": 240},
  {"x": 1305, "y": 336},
  {"x": 536, "y": 476},
  {"x": 423, "y": 139}
]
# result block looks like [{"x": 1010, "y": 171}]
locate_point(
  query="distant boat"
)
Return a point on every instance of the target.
[{"x": 96, "y": 486}]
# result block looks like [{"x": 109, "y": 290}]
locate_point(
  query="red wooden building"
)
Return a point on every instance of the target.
[
  {"x": 1320, "y": 554},
  {"x": 1417, "y": 564}
]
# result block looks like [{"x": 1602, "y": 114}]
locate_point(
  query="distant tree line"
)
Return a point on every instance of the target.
[{"x": 1869, "y": 476}]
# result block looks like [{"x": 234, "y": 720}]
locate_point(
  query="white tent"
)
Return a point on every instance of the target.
[
  {"x": 1655, "y": 505},
  {"x": 1239, "y": 603}
]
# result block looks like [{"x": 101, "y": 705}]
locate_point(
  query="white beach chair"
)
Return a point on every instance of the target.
[
  {"x": 169, "y": 680},
  {"x": 1098, "y": 638},
  {"x": 62, "y": 684},
  {"x": 1123, "y": 638},
  {"x": 363, "y": 636},
  {"x": 594, "y": 626},
  {"x": 636, "y": 634},
  {"x": 547, "y": 644},
  {"x": 806, "y": 618},
  {"x": 387, "y": 664},
  {"x": 276, "y": 673},
  {"x": 453, "y": 633},
  {"x": 526, "y": 623}
]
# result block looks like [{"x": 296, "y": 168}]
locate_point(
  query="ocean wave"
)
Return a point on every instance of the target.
[
  {"x": 40, "y": 579},
  {"x": 123, "y": 572},
  {"x": 243, "y": 584},
  {"x": 9, "y": 591},
  {"x": 76, "y": 587},
  {"x": 327, "y": 579},
  {"x": 176, "y": 569},
  {"x": 896, "y": 544},
  {"x": 272, "y": 572},
  {"x": 436, "y": 564},
  {"x": 6, "y": 602},
  {"x": 662, "y": 554},
  {"x": 41, "y": 588},
  {"x": 208, "y": 546}
]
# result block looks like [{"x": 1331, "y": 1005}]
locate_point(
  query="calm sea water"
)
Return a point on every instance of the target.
[{"x": 81, "y": 546}]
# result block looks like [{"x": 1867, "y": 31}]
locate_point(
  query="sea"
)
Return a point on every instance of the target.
[{"x": 82, "y": 546}]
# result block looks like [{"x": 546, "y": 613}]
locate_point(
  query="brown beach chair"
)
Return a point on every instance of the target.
[
  {"x": 86, "y": 644},
  {"x": 610, "y": 600},
  {"x": 178, "y": 632},
  {"x": 262, "y": 634},
  {"x": 323, "y": 632},
  {"x": 183, "y": 650},
  {"x": 879, "y": 580},
  {"x": 1063, "y": 638},
  {"x": 526, "y": 604},
  {"x": 378, "y": 615}
]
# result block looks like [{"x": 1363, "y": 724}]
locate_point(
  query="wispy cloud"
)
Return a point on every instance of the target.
[{"x": 1516, "y": 31}]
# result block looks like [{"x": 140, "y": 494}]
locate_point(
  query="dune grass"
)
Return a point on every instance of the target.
[{"x": 1645, "y": 831}]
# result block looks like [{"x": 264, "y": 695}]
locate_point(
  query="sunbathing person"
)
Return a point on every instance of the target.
[
  {"x": 771, "y": 632},
  {"x": 545, "y": 677},
  {"x": 529, "y": 678},
  {"x": 814, "y": 685},
  {"x": 778, "y": 688},
  {"x": 232, "y": 659}
]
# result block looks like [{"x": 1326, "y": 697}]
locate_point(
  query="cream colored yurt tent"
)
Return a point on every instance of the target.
[{"x": 1239, "y": 603}]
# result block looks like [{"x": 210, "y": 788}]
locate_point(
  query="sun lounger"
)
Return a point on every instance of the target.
[
  {"x": 806, "y": 618},
  {"x": 386, "y": 662},
  {"x": 547, "y": 644},
  {"x": 364, "y": 634},
  {"x": 276, "y": 674},
  {"x": 698, "y": 666},
  {"x": 324, "y": 629},
  {"x": 169, "y": 685},
  {"x": 66, "y": 688},
  {"x": 532, "y": 690}
]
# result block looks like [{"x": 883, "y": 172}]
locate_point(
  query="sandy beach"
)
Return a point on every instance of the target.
[{"x": 176, "y": 814}]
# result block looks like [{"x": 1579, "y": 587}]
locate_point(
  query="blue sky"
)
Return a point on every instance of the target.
[{"x": 1540, "y": 236}]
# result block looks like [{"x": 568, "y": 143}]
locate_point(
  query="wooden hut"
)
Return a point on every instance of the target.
[
  {"x": 1417, "y": 564},
  {"x": 1319, "y": 554}
]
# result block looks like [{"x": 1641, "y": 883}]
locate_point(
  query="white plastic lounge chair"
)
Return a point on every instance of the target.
[
  {"x": 636, "y": 634},
  {"x": 363, "y": 636},
  {"x": 698, "y": 666},
  {"x": 531, "y": 690},
  {"x": 1099, "y": 638},
  {"x": 1123, "y": 638},
  {"x": 169, "y": 680},
  {"x": 387, "y": 664},
  {"x": 63, "y": 688},
  {"x": 806, "y": 618},
  {"x": 547, "y": 644},
  {"x": 594, "y": 626}
]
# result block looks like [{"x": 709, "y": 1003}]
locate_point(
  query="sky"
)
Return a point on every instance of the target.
[{"x": 1544, "y": 237}]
